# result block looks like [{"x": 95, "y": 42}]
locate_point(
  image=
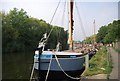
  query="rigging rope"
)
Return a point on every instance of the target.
[
  {"x": 62, "y": 21},
  {"x": 82, "y": 27},
  {"x": 49, "y": 36},
  {"x": 45, "y": 41},
  {"x": 54, "y": 52},
  {"x": 52, "y": 20},
  {"x": 63, "y": 13}
]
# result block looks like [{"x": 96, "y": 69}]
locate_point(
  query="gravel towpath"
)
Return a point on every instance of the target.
[{"x": 114, "y": 73}]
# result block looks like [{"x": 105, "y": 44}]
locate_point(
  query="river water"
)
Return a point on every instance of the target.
[{"x": 17, "y": 66}]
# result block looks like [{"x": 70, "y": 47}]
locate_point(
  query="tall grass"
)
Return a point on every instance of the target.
[{"x": 99, "y": 63}]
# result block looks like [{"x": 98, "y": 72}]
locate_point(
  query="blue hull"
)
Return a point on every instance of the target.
[
  {"x": 72, "y": 65},
  {"x": 68, "y": 64}
]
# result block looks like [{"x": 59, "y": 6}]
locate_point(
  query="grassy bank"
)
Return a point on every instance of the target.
[
  {"x": 117, "y": 50},
  {"x": 99, "y": 63}
]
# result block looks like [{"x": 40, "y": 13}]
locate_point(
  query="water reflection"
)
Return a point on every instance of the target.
[{"x": 17, "y": 65}]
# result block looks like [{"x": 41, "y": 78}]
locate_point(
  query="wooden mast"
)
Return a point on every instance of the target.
[
  {"x": 70, "y": 39},
  {"x": 94, "y": 34}
]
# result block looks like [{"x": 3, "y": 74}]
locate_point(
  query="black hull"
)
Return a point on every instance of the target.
[{"x": 59, "y": 75}]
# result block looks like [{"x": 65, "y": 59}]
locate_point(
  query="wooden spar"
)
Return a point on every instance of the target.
[{"x": 70, "y": 39}]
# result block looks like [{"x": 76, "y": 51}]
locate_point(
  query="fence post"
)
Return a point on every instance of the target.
[{"x": 87, "y": 61}]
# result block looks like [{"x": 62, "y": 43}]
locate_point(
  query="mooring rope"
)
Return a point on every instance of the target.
[
  {"x": 48, "y": 69},
  {"x": 76, "y": 78},
  {"x": 32, "y": 71},
  {"x": 47, "y": 37}
]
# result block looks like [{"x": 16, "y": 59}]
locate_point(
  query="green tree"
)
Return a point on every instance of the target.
[
  {"x": 110, "y": 33},
  {"x": 91, "y": 39},
  {"x": 114, "y": 30},
  {"x": 23, "y": 33},
  {"x": 101, "y": 34}
]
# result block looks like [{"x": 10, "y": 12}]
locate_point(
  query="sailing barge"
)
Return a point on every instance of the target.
[{"x": 67, "y": 64}]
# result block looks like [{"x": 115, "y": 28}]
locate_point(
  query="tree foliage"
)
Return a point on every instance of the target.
[
  {"x": 23, "y": 33},
  {"x": 91, "y": 39},
  {"x": 101, "y": 34},
  {"x": 110, "y": 33},
  {"x": 106, "y": 34}
]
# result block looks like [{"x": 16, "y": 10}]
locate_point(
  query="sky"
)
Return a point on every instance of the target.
[{"x": 103, "y": 11}]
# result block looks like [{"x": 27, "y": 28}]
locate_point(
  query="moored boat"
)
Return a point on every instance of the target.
[
  {"x": 68, "y": 64},
  {"x": 59, "y": 64}
]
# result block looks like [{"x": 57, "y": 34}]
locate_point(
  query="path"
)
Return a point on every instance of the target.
[
  {"x": 118, "y": 61},
  {"x": 114, "y": 73}
]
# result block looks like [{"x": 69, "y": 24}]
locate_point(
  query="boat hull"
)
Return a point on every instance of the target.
[
  {"x": 72, "y": 66},
  {"x": 59, "y": 74}
]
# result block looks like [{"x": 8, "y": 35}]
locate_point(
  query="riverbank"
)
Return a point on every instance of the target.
[{"x": 99, "y": 67}]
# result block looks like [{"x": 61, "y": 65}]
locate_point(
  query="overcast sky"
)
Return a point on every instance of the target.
[{"x": 103, "y": 11}]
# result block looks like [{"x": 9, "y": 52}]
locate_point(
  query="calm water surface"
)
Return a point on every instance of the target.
[{"x": 17, "y": 65}]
